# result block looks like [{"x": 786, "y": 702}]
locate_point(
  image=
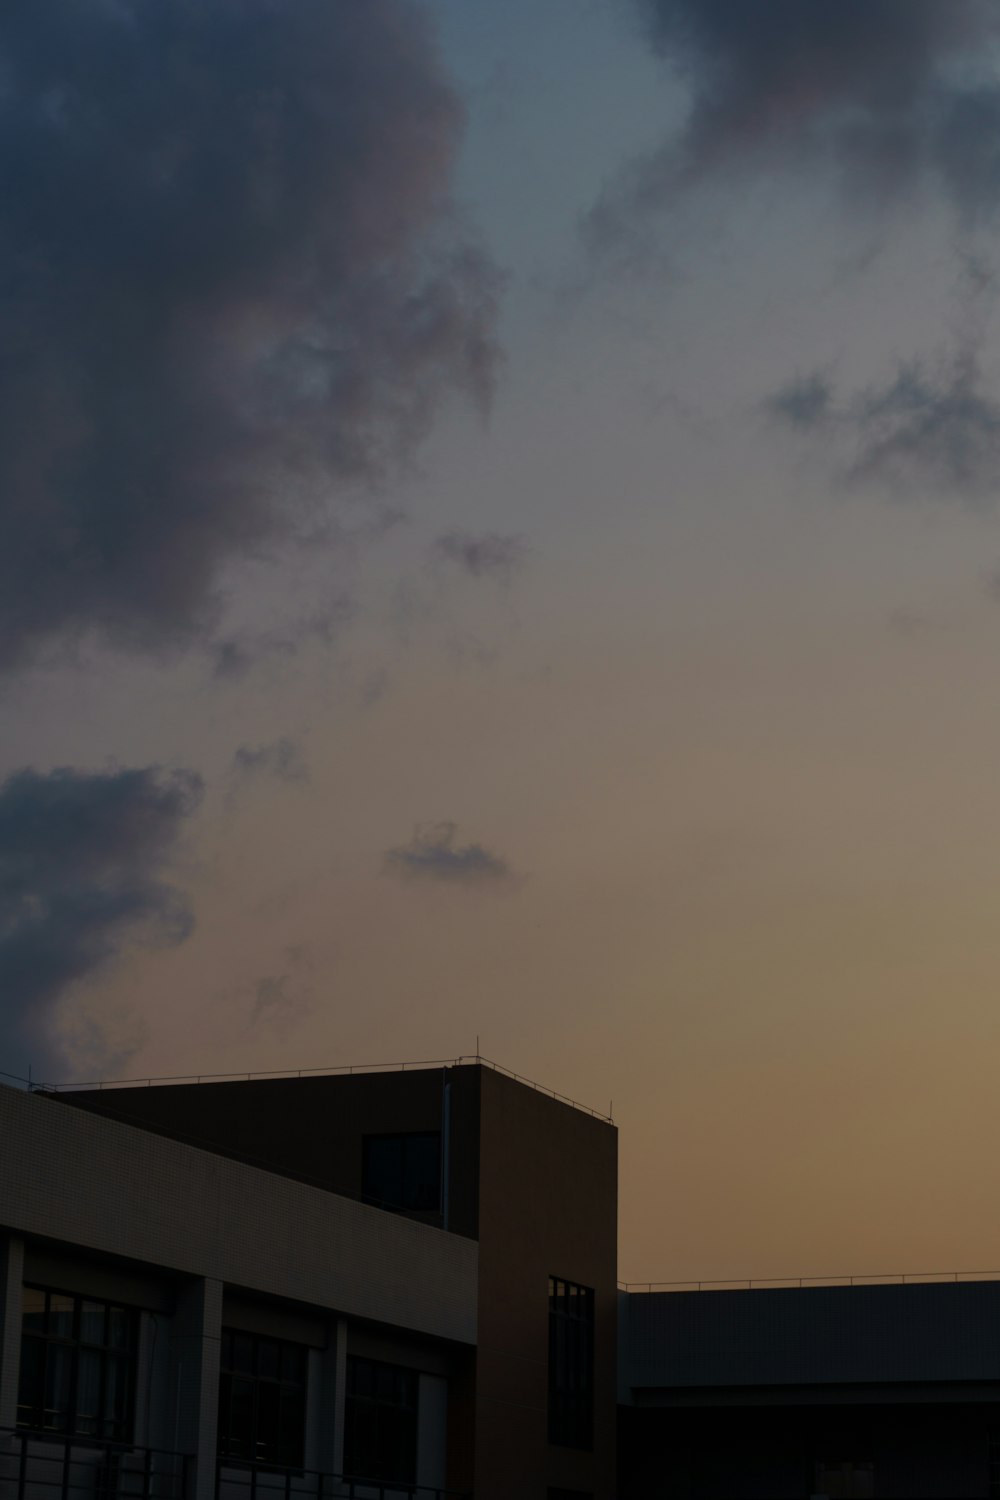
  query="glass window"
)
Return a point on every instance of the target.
[
  {"x": 380, "y": 1436},
  {"x": 262, "y": 1400},
  {"x": 571, "y": 1364},
  {"x": 403, "y": 1171},
  {"x": 846, "y": 1479},
  {"x": 77, "y": 1365}
]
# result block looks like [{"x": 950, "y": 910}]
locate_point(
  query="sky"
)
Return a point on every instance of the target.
[{"x": 499, "y": 545}]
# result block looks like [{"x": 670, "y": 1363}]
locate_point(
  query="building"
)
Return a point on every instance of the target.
[
  {"x": 403, "y": 1277},
  {"x": 855, "y": 1392},
  {"x": 403, "y": 1283}
]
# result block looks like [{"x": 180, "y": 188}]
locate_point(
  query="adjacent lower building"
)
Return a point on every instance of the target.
[{"x": 852, "y": 1392}]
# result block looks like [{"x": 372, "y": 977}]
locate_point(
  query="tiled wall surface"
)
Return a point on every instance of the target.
[{"x": 106, "y": 1186}]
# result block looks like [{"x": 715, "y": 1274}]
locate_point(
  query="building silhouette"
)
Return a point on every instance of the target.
[{"x": 403, "y": 1282}]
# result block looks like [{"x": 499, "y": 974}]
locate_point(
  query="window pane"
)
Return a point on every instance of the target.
[
  {"x": 381, "y": 1427},
  {"x": 58, "y": 1370},
  {"x": 268, "y": 1408},
  {"x": 121, "y": 1322},
  {"x": 382, "y": 1179},
  {"x": 360, "y": 1439},
  {"x": 262, "y": 1408},
  {"x": 403, "y": 1171},
  {"x": 34, "y": 1310},
  {"x": 92, "y": 1322},
  {"x": 241, "y": 1418},
  {"x": 293, "y": 1364},
  {"x": 71, "y": 1380},
  {"x": 60, "y": 1316},
  {"x": 268, "y": 1358},
  {"x": 360, "y": 1374},
  {"x": 116, "y": 1383},
  {"x": 571, "y": 1365},
  {"x": 291, "y": 1427},
  {"x": 31, "y": 1393},
  {"x": 88, "y": 1390},
  {"x": 422, "y": 1172},
  {"x": 243, "y": 1353}
]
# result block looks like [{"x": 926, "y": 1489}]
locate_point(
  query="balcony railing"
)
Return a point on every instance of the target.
[
  {"x": 54, "y": 1466},
  {"x": 237, "y": 1481}
]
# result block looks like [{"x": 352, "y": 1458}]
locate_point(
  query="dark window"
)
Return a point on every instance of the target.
[
  {"x": 845, "y": 1479},
  {"x": 262, "y": 1400},
  {"x": 571, "y": 1364},
  {"x": 403, "y": 1171},
  {"x": 380, "y": 1435},
  {"x": 569, "y": 1494},
  {"x": 77, "y": 1365}
]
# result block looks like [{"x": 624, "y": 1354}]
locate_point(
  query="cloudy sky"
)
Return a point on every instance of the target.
[{"x": 499, "y": 538}]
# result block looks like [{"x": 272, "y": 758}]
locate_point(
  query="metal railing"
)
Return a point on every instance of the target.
[
  {"x": 56, "y": 1466},
  {"x": 756, "y": 1283},
  {"x": 345, "y": 1071},
  {"x": 248, "y": 1481}
]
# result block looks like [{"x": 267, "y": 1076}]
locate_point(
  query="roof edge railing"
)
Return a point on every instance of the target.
[
  {"x": 777, "y": 1283},
  {"x": 472, "y": 1060}
]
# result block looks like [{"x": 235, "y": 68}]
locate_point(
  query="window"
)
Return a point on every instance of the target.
[
  {"x": 845, "y": 1480},
  {"x": 77, "y": 1365},
  {"x": 262, "y": 1400},
  {"x": 571, "y": 1364},
  {"x": 403, "y": 1171},
  {"x": 380, "y": 1437}
]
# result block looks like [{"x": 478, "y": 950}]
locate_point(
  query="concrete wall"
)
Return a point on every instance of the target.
[
  {"x": 547, "y": 1207},
  {"x": 72, "y": 1176}
]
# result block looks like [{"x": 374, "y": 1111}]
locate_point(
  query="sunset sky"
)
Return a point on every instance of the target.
[{"x": 499, "y": 538}]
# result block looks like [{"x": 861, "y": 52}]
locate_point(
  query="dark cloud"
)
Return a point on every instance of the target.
[
  {"x": 881, "y": 89},
  {"x": 82, "y": 873},
  {"x": 282, "y": 759},
  {"x": 491, "y": 555},
  {"x": 434, "y": 854},
  {"x": 967, "y": 146},
  {"x": 231, "y": 285},
  {"x": 805, "y": 402},
  {"x": 929, "y": 429}
]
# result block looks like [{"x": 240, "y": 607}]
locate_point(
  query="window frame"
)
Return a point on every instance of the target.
[
  {"x": 283, "y": 1391},
  {"x": 106, "y": 1429},
  {"x": 851, "y": 1478},
  {"x": 571, "y": 1364},
  {"x": 404, "y": 1138},
  {"x": 374, "y": 1407}
]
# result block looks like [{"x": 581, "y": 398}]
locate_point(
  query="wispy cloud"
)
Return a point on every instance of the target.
[
  {"x": 83, "y": 864},
  {"x": 235, "y": 656},
  {"x": 282, "y": 759},
  {"x": 282, "y": 1001},
  {"x": 234, "y": 286},
  {"x": 490, "y": 555},
  {"x": 930, "y": 428},
  {"x": 434, "y": 855}
]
